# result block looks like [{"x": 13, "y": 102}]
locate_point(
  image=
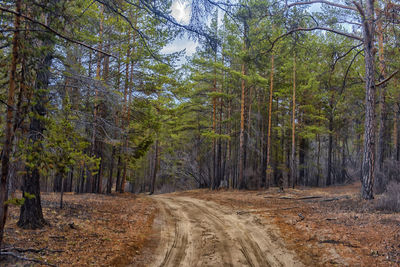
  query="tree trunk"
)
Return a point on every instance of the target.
[
  {"x": 302, "y": 156},
  {"x": 57, "y": 183},
  {"x": 382, "y": 102},
  {"x": 97, "y": 179},
  {"x": 343, "y": 172},
  {"x": 229, "y": 148},
  {"x": 7, "y": 147},
  {"x": 293, "y": 154},
  {"x": 214, "y": 127},
  {"x": 318, "y": 160},
  {"x": 241, "y": 184},
  {"x": 330, "y": 148},
  {"x": 118, "y": 180},
  {"x": 62, "y": 191},
  {"x": 395, "y": 155},
  {"x": 369, "y": 130},
  {"x": 271, "y": 91},
  {"x": 155, "y": 169},
  {"x": 110, "y": 177},
  {"x": 31, "y": 216}
]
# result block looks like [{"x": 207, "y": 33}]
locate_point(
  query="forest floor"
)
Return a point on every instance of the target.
[
  {"x": 91, "y": 230},
  {"x": 299, "y": 227}
]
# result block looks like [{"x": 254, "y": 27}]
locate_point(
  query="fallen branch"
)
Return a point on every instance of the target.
[
  {"x": 33, "y": 250},
  {"x": 286, "y": 197},
  {"x": 334, "y": 198},
  {"x": 288, "y": 208},
  {"x": 331, "y": 241},
  {"x": 26, "y": 259},
  {"x": 328, "y": 199},
  {"x": 309, "y": 197},
  {"x": 300, "y": 198}
]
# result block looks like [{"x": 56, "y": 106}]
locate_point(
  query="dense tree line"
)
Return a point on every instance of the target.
[{"x": 277, "y": 94}]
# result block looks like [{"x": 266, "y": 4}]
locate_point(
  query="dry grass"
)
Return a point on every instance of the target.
[{"x": 390, "y": 201}]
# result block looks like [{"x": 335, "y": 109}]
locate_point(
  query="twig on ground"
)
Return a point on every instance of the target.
[
  {"x": 26, "y": 259},
  {"x": 33, "y": 250}
]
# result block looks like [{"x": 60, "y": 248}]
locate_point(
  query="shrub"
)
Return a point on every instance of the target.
[{"x": 390, "y": 200}]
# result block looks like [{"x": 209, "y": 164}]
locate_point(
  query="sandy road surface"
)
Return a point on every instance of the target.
[{"x": 202, "y": 233}]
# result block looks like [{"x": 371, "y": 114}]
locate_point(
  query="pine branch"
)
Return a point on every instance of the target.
[
  {"x": 55, "y": 32},
  {"x": 322, "y": 2}
]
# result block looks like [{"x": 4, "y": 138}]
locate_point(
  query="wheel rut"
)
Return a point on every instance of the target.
[{"x": 201, "y": 233}]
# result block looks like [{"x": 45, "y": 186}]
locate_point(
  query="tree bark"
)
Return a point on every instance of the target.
[
  {"x": 382, "y": 101},
  {"x": 62, "y": 191},
  {"x": 293, "y": 154},
  {"x": 121, "y": 188},
  {"x": 368, "y": 164},
  {"x": 31, "y": 215},
  {"x": 110, "y": 177},
  {"x": 214, "y": 127},
  {"x": 395, "y": 155},
  {"x": 271, "y": 91},
  {"x": 118, "y": 179},
  {"x": 155, "y": 169},
  {"x": 241, "y": 137},
  {"x": 96, "y": 149},
  {"x": 330, "y": 148},
  {"x": 9, "y": 131}
]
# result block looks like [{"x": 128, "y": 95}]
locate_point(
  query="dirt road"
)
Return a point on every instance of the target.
[{"x": 202, "y": 233}]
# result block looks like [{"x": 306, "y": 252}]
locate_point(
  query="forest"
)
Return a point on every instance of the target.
[{"x": 278, "y": 96}]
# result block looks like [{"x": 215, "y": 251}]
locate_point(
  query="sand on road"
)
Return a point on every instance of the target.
[{"x": 195, "y": 232}]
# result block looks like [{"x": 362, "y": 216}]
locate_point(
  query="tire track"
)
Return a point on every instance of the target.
[{"x": 201, "y": 233}]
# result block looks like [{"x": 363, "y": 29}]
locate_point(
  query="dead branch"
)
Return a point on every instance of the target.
[
  {"x": 26, "y": 259},
  {"x": 309, "y": 197},
  {"x": 387, "y": 79},
  {"x": 33, "y": 250},
  {"x": 331, "y": 241},
  {"x": 289, "y": 208}
]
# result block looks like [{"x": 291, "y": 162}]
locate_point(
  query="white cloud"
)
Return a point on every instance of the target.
[
  {"x": 179, "y": 44},
  {"x": 180, "y": 10}
]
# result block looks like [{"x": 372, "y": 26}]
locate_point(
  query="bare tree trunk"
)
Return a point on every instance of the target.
[
  {"x": 110, "y": 177},
  {"x": 330, "y": 147},
  {"x": 271, "y": 91},
  {"x": 118, "y": 180},
  {"x": 293, "y": 154},
  {"x": 62, "y": 191},
  {"x": 382, "y": 101},
  {"x": 219, "y": 147},
  {"x": 7, "y": 147},
  {"x": 395, "y": 155},
  {"x": 155, "y": 169},
  {"x": 241, "y": 137},
  {"x": 368, "y": 163},
  {"x": 302, "y": 157},
  {"x": 97, "y": 179},
  {"x": 125, "y": 112},
  {"x": 229, "y": 148},
  {"x": 214, "y": 127}
]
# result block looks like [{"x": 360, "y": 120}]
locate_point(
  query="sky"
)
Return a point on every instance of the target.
[{"x": 181, "y": 12}]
